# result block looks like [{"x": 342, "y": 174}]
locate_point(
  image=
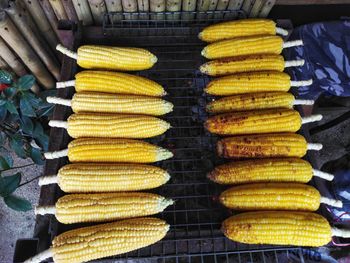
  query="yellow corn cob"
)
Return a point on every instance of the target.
[
  {"x": 240, "y": 28},
  {"x": 78, "y": 208},
  {"x": 272, "y": 196},
  {"x": 112, "y": 125},
  {"x": 95, "y": 242},
  {"x": 249, "y": 83},
  {"x": 111, "y": 150},
  {"x": 99, "y": 177},
  {"x": 252, "y": 101},
  {"x": 250, "y": 122},
  {"x": 115, "y": 103},
  {"x": 226, "y": 66},
  {"x": 263, "y": 170},
  {"x": 244, "y": 46},
  {"x": 116, "y": 82},
  {"x": 278, "y": 228},
  {"x": 107, "y": 57},
  {"x": 263, "y": 146}
]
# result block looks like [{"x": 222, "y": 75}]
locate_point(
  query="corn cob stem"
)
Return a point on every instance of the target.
[
  {"x": 300, "y": 83},
  {"x": 340, "y": 232},
  {"x": 56, "y": 154},
  {"x": 66, "y": 51},
  {"x": 303, "y": 102},
  {"x": 314, "y": 146},
  {"x": 331, "y": 202},
  {"x": 58, "y": 124},
  {"x": 48, "y": 253},
  {"x": 323, "y": 175},
  {"x": 294, "y": 63},
  {"x": 44, "y": 210},
  {"x": 293, "y": 43},
  {"x": 49, "y": 179},
  {"x": 65, "y": 84},
  {"x": 311, "y": 118},
  {"x": 281, "y": 31},
  {"x": 59, "y": 101}
]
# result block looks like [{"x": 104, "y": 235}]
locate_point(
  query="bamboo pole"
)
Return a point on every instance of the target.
[
  {"x": 14, "y": 62},
  {"x": 212, "y": 7},
  {"x": 70, "y": 11},
  {"x": 221, "y": 6},
  {"x": 173, "y": 6},
  {"x": 20, "y": 20},
  {"x": 188, "y": 5},
  {"x": 50, "y": 14},
  {"x": 58, "y": 9},
  {"x": 254, "y": 12},
  {"x": 202, "y": 6},
  {"x": 83, "y": 12},
  {"x": 41, "y": 22},
  {"x": 98, "y": 8},
  {"x": 129, "y": 6},
  {"x": 247, "y": 6},
  {"x": 14, "y": 39},
  {"x": 266, "y": 8},
  {"x": 115, "y": 6},
  {"x": 4, "y": 65},
  {"x": 157, "y": 6},
  {"x": 234, "y": 5},
  {"x": 143, "y": 6}
]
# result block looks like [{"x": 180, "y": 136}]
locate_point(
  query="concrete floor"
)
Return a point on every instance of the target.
[{"x": 13, "y": 224}]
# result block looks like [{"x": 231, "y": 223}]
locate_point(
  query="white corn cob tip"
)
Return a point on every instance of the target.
[
  {"x": 340, "y": 232},
  {"x": 303, "y": 102},
  {"x": 44, "y": 210},
  {"x": 49, "y": 179},
  {"x": 294, "y": 63},
  {"x": 40, "y": 257},
  {"x": 281, "y": 31},
  {"x": 56, "y": 154},
  {"x": 323, "y": 175},
  {"x": 312, "y": 118},
  {"x": 163, "y": 154},
  {"x": 314, "y": 146},
  {"x": 331, "y": 202},
  {"x": 59, "y": 101},
  {"x": 58, "y": 124},
  {"x": 301, "y": 83},
  {"x": 65, "y": 84},
  {"x": 66, "y": 51},
  {"x": 293, "y": 43}
]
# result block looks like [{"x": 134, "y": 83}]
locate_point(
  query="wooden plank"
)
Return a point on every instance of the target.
[
  {"x": 115, "y": 6},
  {"x": 83, "y": 12},
  {"x": 312, "y": 2},
  {"x": 188, "y": 5},
  {"x": 202, "y": 6},
  {"x": 130, "y": 6},
  {"x": 221, "y": 6},
  {"x": 41, "y": 21},
  {"x": 70, "y": 10},
  {"x": 50, "y": 14},
  {"x": 247, "y": 6},
  {"x": 157, "y": 6},
  {"x": 173, "y": 6},
  {"x": 143, "y": 6},
  {"x": 98, "y": 8},
  {"x": 254, "y": 12},
  {"x": 5, "y": 66},
  {"x": 58, "y": 9},
  {"x": 234, "y": 5},
  {"x": 11, "y": 59},
  {"x": 265, "y": 10}
]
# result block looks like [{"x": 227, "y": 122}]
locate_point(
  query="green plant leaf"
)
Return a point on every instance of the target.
[
  {"x": 27, "y": 125},
  {"x": 34, "y": 101},
  {"x": 2, "y": 102},
  {"x": 4, "y": 165},
  {"x": 17, "y": 145},
  {"x": 26, "y": 108},
  {"x": 9, "y": 184},
  {"x": 2, "y": 138},
  {"x": 3, "y": 113},
  {"x": 17, "y": 203},
  {"x": 10, "y": 92},
  {"x": 36, "y": 156},
  {"x": 9, "y": 160},
  {"x": 40, "y": 137},
  {"x": 5, "y": 77},
  {"x": 11, "y": 108},
  {"x": 26, "y": 82}
]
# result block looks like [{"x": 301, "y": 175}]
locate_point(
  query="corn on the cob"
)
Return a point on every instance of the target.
[
  {"x": 106, "y": 57},
  {"x": 100, "y": 177},
  {"x": 112, "y": 125},
  {"x": 253, "y": 82},
  {"x": 244, "y": 46},
  {"x": 113, "y": 82},
  {"x": 266, "y": 170},
  {"x": 226, "y": 66},
  {"x": 240, "y": 28},
  {"x": 265, "y": 145},
  {"x": 255, "y": 101},
  {"x": 278, "y": 228},
  {"x": 111, "y": 150},
  {"x": 114, "y": 103},
  {"x": 94, "y": 242},
  {"x": 275, "y": 196},
  {"x": 78, "y": 208},
  {"x": 258, "y": 121}
]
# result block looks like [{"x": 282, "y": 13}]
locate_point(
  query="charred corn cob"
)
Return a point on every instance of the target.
[
  {"x": 113, "y": 82},
  {"x": 111, "y": 150},
  {"x": 99, "y": 177},
  {"x": 226, "y": 66},
  {"x": 275, "y": 196},
  {"x": 78, "y": 208},
  {"x": 106, "y": 57},
  {"x": 114, "y": 103},
  {"x": 281, "y": 228},
  {"x": 258, "y": 121},
  {"x": 94, "y": 242},
  {"x": 112, "y": 125},
  {"x": 253, "y": 82},
  {"x": 266, "y": 170},
  {"x": 240, "y": 28},
  {"x": 255, "y": 101},
  {"x": 265, "y": 145},
  {"x": 244, "y": 46}
]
